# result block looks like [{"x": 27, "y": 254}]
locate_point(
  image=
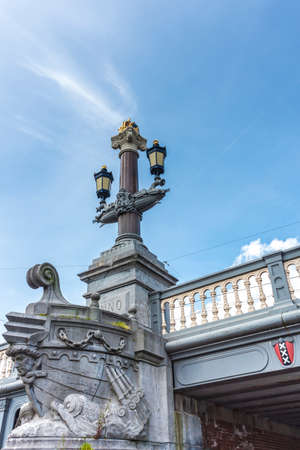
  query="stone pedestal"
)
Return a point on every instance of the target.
[
  {"x": 124, "y": 276},
  {"x": 90, "y": 371}
]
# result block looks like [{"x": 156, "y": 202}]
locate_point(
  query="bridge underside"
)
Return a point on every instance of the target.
[
  {"x": 234, "y": 364},
  {"x": 275, "y": 396}
]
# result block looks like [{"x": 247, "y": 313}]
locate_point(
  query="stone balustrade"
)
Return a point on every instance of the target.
[
  {"x": 235, "y": 291},
  {"x": 6, "y": 365},
  {"x": 292, "y": 268}
]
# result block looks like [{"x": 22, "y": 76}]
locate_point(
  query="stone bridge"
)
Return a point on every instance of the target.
[
  {"x": 232, "y": 339},
  {"x": 234, "y": 336}
]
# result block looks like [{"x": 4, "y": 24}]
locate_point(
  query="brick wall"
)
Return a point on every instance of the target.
[
  {"x": 205, "y": 426},
  {"x": 220, "y": 435}
]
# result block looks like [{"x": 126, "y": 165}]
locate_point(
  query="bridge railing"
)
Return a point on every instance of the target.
[{"x": 234, "y": 291}]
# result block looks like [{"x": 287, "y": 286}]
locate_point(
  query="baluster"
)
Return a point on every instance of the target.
[
  {"x": 203, "y": 308},
  {"x": 214, "y": 304},
  {"x": 262, "y": 296},
  {"x": 1, "y": 363},
  {"x": 163, "y": 320},
  {"x": 288, "y": 277},
  {"x": 9, "y": 366},
  {"x": 237, "y": 301},
  {"x": 297, "y": 264},
  {"x": 172, "y": 315},
  {"x": 250, "y": 300},
  {"x": 193, "y": 314},
  {"x": 3, "y": 366},
  {"x": 226, "y": 306},
  {"x": 182, "y": 313}
]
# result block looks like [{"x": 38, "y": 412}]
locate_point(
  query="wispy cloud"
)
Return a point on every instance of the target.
[
  {"x": 30, "y": 128},
  {"x": 114, "y": 78},
  {"x": 34, "y": 134},
  {"x": 256, "y": 249},
  {"x": 68, "y": 83}
]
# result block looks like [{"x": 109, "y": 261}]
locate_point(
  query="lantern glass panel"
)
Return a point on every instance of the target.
[
  {"x": 153, "y": 159},
  {"x": 160, "y": 158},
  {"x": 99, "y": 183},
  {"x": 106, "y": 183},
  {"x": 103, "y": 183}
]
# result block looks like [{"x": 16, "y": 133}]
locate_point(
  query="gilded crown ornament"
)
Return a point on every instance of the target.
[{"x": 129, "y": 123}]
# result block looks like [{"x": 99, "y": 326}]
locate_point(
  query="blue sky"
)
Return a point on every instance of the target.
[{"x": 217, "y": 82}]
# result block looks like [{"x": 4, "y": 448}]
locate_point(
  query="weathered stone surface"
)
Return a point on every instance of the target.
[
  {"x": 76, "y": 443},
  {"x": 95, "y": 376},
  {"x": 124, "y": 276}
]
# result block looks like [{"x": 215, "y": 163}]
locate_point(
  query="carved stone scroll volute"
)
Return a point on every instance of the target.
[{"x": 45, "y": 275}]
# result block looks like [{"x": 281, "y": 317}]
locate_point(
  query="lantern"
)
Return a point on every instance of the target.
[
  {"x": 103, "y": 183},
  {"x": 156, "y": 156}
]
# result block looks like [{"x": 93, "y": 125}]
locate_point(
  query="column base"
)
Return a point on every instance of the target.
[{"x": 127, "y": 236}]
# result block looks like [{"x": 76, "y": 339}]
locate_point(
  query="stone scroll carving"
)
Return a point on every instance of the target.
[{"x": 45, "y": 275}]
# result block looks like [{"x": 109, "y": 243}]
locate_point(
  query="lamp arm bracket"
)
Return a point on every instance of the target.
[{"x": 136, "y": 203}]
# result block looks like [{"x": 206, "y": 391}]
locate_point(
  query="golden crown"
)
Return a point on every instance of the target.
[{"x": 128, "y": 123}]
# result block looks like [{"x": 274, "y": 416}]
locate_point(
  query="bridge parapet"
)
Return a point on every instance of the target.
[{"x": 234, "y": 291}]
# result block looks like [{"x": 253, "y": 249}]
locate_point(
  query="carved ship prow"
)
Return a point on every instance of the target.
[
  {"x": 73, "y": 359},
  {"x": 63, "y": 365}
]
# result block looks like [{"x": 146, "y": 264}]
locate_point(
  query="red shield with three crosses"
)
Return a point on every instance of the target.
[{"x": 284, "y": 349}]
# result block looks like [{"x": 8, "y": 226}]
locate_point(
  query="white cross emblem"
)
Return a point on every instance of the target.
[{"x": 284, "y": 353}]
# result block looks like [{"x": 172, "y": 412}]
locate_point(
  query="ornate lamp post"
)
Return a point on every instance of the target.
[{"x": 130, "y": 203}]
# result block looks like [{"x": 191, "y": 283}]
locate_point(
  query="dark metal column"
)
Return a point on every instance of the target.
[
  {"x": 129, "y": 223},
  {"x": 129, "y": 142}
]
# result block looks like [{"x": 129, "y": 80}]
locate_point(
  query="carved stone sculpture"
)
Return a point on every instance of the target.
[{"x": 80, "y": 375}]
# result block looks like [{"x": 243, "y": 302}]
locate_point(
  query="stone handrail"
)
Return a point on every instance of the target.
[
  {"x": 235, "y": 291},
  {"x": 6, "y": 365}
]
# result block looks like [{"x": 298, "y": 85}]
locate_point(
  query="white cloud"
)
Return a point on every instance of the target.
[
  {"x": 256, "y": 249},
  {"x": 67, "y": 82}
]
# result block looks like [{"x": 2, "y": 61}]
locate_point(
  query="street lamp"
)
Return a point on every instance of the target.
[
  {"x": 156, "y": 155},
  {"x": 131, "y": 202},
  {"x": 103, "y": 180}
]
